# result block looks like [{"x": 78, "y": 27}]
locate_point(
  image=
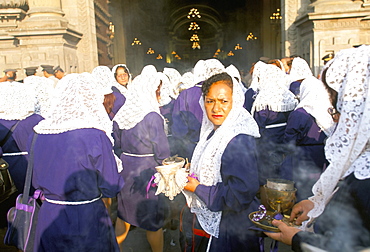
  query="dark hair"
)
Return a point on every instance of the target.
[
  {"x": 108, "y": 103},
  {"x": 124, "y": 68},
  {"x": 333, "y": 95},
  {"x": 215, "y": 78},
  {"x": 275, "y": 62}
]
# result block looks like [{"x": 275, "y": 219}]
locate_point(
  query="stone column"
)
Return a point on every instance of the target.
[{"x": 45, "y": 13}]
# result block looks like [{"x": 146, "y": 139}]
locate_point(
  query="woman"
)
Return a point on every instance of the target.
[
  {"x": 123, "y": 78},
  {"x": 271, "y": 110},
  {"x": 143, "y": 144},
  {"x": 17, "y": 119},
  {"x": 299, "y": 71},
  {"x": 307, "y": 128},
  {"x": 339, "y": 210},
  {"x": 78, "y": 170},
  {"x": 113, "y": 100},
  {"x": 224, "y": 160},
  {"x": 252, "y": 91}
]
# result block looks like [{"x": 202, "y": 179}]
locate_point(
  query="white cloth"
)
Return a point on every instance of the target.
[
  {"x": 256, "y": 75},
  {"x": 17, "y": 101},
  {"x": 204, "y": 69},
  {"x": 187, "y": 81},
  {"x": 273, "y": 92},
  {"x": 175, "y": 79},
  {"x": 348, "y": 149},
  {"x": 120, "y": 87},
  {"x": 104, "y": 77},
  {"x": 166, "y": 89},
  {"x": 300, "y": 70},
  {"x": 206, "y": 160},
  {"x": 141, "y": 101},
  {"x": 234, "y": 72},
  {"x": 77, "y": 104},
  {"x": 44, "y": 90},
  {"x": 314, "y": 98}
]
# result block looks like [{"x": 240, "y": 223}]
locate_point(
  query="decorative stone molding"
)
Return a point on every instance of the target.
[{"x": 5, "y": 4}]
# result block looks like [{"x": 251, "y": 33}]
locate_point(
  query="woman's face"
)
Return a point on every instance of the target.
[
  {"x": 122, "y": 76},
  {"x": 218, "y": 102}
]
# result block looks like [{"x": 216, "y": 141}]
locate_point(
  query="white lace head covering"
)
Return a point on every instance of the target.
[
  {"x": 120, "y": 87},
  {"x": 141, "y": 101},
  {"x": 187, "y": 81},
  {"x": 77, "y": 104},
  {"x": 148, "y": 70},
  {"x": 175, "y": 78},
  {"x": 166, "y": 89},
  {"x": 273, "y": 92},
  {"x": 300, "y": 70},
  {"x": 103, "y": 76},
  {"x": 204, "y": 69},
  {"x": 17, "y": 101},
  {"x": 348, "y": 149},
  {"x": 234, "y": 72},
  {"x": 256, "y": 76},
  {"x": 206, "y": 160},
  {"x": 314, "y": 98},
  {"x": 44, "y": 90}
]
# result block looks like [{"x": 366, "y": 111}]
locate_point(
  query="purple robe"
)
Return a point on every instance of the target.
[
  {"x": 187, "y": 119},
  {"x": 75, "y": 166},
  {"x": 235, "y": 196},
  {"x": 136, "y": 205},
  {"x": 306, "y": 160},
  {"x": 269, "y": 145},
  {"x": 295, "y": 87},
  {"x": 118, "y": 103},
  {"x": 249, "y": 97}
]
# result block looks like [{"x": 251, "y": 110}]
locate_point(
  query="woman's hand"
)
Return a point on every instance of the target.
[
  {"x": 286, "y": 232},
  {"x": 300, "y": 211},
  {"x": 192, "y": 184}
]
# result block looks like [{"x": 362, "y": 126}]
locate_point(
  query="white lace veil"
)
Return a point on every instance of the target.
[
  {"x": 256, "y": 76},
  {"x": 141, "y": 101},
  {"x": 204, "y": 69},
  {"x": 206, "y": 161},
  {"x": 300, "y": 70},
  {"x": 175, "y": 79},
  {"x": 348, "y": 149},
  {"x": 103, "y": 76},
  {"x": 314, "y": 98},
  {"x": 17, "y": 101},
  {"x": 187, "y": 81},
  {"x": 120, "y": 87},
  {"x": 77, "y": 104},
  {"x": 166, "y": 89},
  {"x": 273, "y": 93},
  {"x": 234, "y": 72},
  {"x": 44, "y": 90}
]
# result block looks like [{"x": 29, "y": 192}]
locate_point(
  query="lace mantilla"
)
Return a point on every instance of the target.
[
  {"x": 206, "y": 161},
  {"x": 103, "y": 76},
  {"x": 314, "y": 98},
  {"x": 17, "y": 101},
  {"x": 140, "y": 101},
  {"x": 77, "y": 104},
  {"x": 187, "y": 81},
  {"x": 204, "y": 69},
  {"x": 175, "y": 79},
  {"x": 44, "y": 89},
  {"x": 256, "y": 76},
  {"x": 300, "y": 70},
  {"x": 348, "y": 148},
  {"x": 234, "y": 72},
  {"x": 273, "y": 92}
]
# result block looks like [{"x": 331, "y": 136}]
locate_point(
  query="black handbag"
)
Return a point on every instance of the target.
[
  {"x": 7, "y": 186},
  {"x": 22, "y": 219}
]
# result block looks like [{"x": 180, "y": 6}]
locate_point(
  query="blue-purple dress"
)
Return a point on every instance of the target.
[
  {"x": 136, "y": 205},
  {"x": 75, "y": 166},
  {"x": 249, "y": 97},
  {"x": 118, "y": 103},
  {"x": 269, "y": 145},
  {"x": 306, "y": 159},
  {"x": 187, "y": 119},
  {"x": 235, "y": 196}
]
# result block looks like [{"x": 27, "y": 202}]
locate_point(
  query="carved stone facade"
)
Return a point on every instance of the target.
[{"x": 314, "y": 28}]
